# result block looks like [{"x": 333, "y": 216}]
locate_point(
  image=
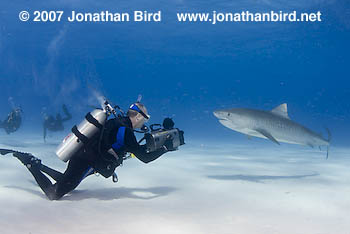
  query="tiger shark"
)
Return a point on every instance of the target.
[{"x": 274, "y": 125}]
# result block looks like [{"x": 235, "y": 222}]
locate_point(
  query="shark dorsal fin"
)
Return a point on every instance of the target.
[{"x": 281, "y": 110}]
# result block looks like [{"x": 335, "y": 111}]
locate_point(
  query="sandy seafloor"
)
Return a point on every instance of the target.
[{"x": 202, "y": 188}]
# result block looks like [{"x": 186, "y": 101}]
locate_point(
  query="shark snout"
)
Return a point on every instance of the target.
[
  {"x": 222, "y": 115},
  {"x": 218, "y": 114},
  {"x": 215, "y": 113}
]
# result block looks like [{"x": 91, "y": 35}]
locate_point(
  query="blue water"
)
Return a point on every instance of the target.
[{"x": 183, "y": 70}]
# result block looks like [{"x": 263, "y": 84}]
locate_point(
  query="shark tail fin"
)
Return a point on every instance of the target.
[
  {"x": 329, "y": 134},
  {"x": 328, "y": 140}
]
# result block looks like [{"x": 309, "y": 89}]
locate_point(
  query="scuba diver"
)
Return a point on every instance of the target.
[
  {"x": 13, "y": 121},
  {"x": 101, "y": 153},
  {"x": 55, "y": 124}
]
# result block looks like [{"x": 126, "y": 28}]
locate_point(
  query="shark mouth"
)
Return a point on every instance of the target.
[{"x": 225, "y": 122}]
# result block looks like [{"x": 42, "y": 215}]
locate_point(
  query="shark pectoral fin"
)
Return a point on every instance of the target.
[{"x": 267, "y": 135}]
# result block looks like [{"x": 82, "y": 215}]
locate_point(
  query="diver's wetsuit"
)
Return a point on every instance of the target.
[{"x": 88, "y": 160}]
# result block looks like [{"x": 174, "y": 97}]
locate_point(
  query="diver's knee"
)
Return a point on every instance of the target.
[
  {"x": 51, "y": 197},
  {"x": 52, "y": 194}
]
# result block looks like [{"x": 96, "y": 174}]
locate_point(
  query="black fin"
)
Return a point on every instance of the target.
[
  {"x": 6, "y": 151},
  {"x": 267, "y": 135}
]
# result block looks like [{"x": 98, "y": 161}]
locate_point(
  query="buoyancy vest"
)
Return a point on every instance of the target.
[{"x": 110, "y": 148}]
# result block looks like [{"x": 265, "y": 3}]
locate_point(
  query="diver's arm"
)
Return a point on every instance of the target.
[
  {"x": 141, "y": 154},
  {"x": 66, "y": 112},
  {"x": 140, "y": 150}
]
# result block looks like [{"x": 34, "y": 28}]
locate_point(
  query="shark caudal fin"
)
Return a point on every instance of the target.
[{"x": 328, "y": 140}]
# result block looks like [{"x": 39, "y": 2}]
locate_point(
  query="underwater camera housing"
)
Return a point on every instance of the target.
[{"x": 156, "y": 138}]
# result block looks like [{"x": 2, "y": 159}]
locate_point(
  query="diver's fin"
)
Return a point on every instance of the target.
[
  {"x": 267, "y": 135},
  {"x": 281, "y": 110},
  {"x": 6, "y": 151}
]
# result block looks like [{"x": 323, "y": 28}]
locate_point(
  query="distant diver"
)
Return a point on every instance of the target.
[
  {"x": 102, "y": 146},
  {"x": 274, "y": 125},
  {"x": 13, "y": 121},
  {"x": 55, "y": 124}
]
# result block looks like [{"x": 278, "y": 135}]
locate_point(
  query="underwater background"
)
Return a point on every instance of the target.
[
  {"x": 183, "y": 70},
  {"x": 219, "y": 181}
]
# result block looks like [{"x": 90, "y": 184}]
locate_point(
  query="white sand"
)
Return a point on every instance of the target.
[{"x": 227, "y": 188}]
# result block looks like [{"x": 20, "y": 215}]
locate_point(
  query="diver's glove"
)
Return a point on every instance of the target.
[{"x": 168, "y": 145}]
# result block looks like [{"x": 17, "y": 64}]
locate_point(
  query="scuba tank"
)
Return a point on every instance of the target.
[{"x": 84, "y": 132}]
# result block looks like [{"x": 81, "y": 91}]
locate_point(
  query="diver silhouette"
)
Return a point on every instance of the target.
[
  {"x": 55, "y": 124},
  {"x": 98, "y": 155},
  {"x": 13, "y": 121}
]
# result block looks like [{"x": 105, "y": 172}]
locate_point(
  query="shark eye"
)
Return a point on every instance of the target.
[{"x": 228, "y": 114}]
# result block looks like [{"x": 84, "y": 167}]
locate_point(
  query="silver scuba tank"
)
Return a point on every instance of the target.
[{"x": 81, "y": 134}]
